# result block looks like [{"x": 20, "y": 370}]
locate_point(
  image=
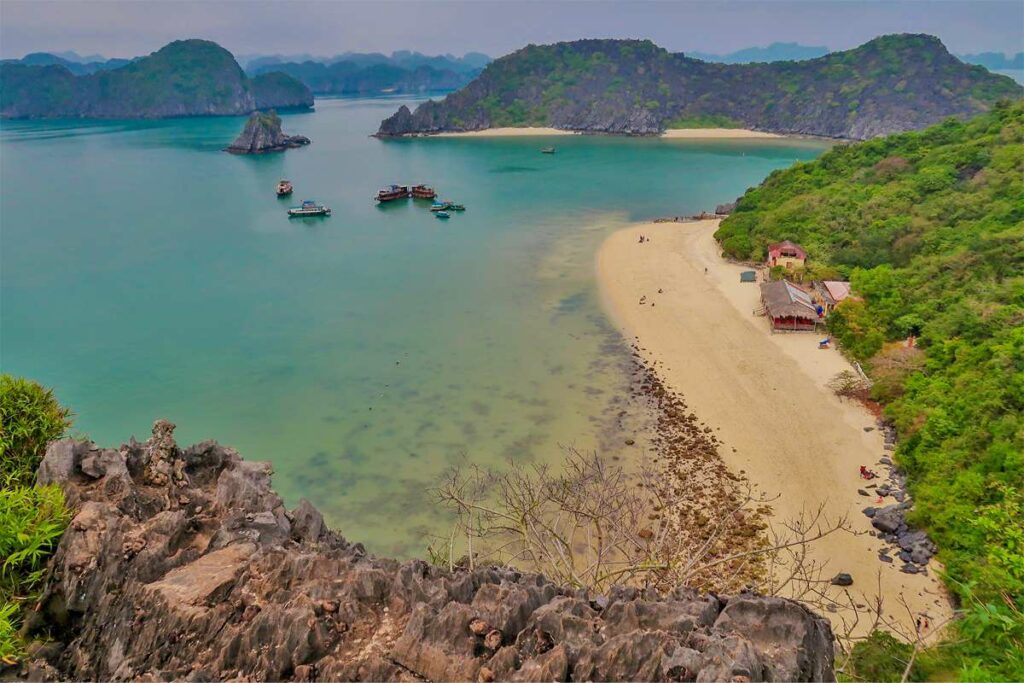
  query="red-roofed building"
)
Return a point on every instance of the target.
[
  {"x": 828, "y": 293},
  {"x": 786, "y": 254}
]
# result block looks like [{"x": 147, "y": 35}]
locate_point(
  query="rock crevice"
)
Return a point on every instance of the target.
[{"x": 185, "y": 564}]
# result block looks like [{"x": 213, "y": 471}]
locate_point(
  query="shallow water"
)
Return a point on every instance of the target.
[{"x": 147, "y": 274}]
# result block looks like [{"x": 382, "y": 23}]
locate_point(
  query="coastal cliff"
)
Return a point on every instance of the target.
[
  {"x": 262, "y": 133},
  {"x": 890, "y": 84},
  {"x": 184, "y": 78},
  {"x": 184, "y": 564}
]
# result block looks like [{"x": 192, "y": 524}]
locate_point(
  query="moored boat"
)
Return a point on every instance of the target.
[
  {"x": 423, "y": 192},
  {"x": 440, "y": 206},
  {"x": 309, "y": 208},
  {"x": 284, "y": 188},
  {"x": 456, "y": 207},
  {"x": 392, "y": 192},
  {"x": 547, "y": 150},
  {"x": 442, "y": 214}
]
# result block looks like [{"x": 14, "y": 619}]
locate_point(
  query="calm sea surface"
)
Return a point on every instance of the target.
[{"x": 147, "y": 274}]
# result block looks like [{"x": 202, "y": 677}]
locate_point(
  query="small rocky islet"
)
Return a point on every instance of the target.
[{"x": 262, "y": 133}]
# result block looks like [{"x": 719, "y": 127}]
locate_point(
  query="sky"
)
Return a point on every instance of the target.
[{"x": 245, "y": 27}]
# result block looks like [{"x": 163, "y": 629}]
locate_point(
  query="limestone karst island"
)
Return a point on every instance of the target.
[{"x": 512, "y": 341}]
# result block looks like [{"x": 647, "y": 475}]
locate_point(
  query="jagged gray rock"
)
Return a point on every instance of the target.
[
  {"x": 184, "y": 564},
  {"x": 262, "y": 133}
]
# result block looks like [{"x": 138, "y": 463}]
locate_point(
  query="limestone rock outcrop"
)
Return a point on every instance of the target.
[
  {"x": 183, "y": 564},
  {"x": 262, "y": 133}
]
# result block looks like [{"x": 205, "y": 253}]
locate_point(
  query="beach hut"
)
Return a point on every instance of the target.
[
  {"x": 828, "y": 293},
  {"x": 789, "y": 308},
  {"x": 786, "y": 254},
  {"x": 748, "y": 276}
]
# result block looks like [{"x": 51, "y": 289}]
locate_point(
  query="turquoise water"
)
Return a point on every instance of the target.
[{"x": 147, "y": 274}]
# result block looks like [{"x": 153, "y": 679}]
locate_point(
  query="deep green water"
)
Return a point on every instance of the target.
[{"x": 147, "y": 274}]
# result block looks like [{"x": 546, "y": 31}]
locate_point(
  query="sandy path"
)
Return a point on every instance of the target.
[{"x": 766, "y": 392}]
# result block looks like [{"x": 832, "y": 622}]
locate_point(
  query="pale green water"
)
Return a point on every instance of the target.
[{"x": 147, "y": 274}]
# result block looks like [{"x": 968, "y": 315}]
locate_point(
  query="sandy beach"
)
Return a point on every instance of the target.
[
  {"x": 716, "y": 134},
  {"x": 671, "y": 134},
  {"x": 766, "y": 393},
  {"x": 507, "y": 133}
]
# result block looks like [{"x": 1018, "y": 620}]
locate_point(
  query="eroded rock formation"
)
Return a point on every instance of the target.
[
  {"x": 184, "y": 564},
  {"x": 262, "y": 133}
]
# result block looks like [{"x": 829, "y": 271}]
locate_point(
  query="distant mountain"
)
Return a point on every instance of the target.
[
  {"x": 776, "y": 52},
  {"x": 370, "y": 73},
  {"x": 890, "y": 84},
  {"x": 995, "y": 60},
  {"x": 79, "y": 68},
  {"x": 343, "y": 78},
  {"x": 184, "y": 78}
]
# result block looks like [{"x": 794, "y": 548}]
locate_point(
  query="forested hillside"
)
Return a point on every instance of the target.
[
  {"x": 929, "y": 227},
  {"x": 887, "y": 85}
]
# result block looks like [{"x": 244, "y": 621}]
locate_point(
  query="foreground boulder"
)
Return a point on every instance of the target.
[
  {"x": 262, "y": 133},
  {"x": 184, "y": 564}
]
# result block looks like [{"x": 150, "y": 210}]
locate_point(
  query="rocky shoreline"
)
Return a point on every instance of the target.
[
  {"x": 911, "y": 546},
  {"x": 182, "y": 563}
]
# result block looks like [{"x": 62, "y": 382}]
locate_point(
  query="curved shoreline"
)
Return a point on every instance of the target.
[
  {"x": 766, "y": 393},
  {"x": 670, "y": 134}
]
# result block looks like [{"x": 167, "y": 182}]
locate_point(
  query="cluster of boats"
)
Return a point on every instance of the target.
[
  {"x": 309, "y": 207},
  {"x": 393, "y": 192},
  {"x": 440, "y": 209}
]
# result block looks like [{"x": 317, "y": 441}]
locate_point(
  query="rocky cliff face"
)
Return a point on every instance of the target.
[
  {"x": 262, "y": 133},
  {"x": 184, "y": 564},
  {"x": 888, "y": 85},
  {"x": 184, "y": 78}
]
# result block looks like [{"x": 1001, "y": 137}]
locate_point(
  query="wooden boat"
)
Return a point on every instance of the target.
[
  {"x": 456, "y": 207},
  {"x": 440, "y": 206},
  {"x": 284, "y": 188},
  {"x": 308, "y": 208},
  {"x": 422, "y": 192},
  {"x": 392, "y": 192},
  {"x": 442, "y": 214},
  {"x": 547, "y": 150}
]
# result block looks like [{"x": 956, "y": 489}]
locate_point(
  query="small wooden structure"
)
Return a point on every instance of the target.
[
  {"x": 789, "y": 308},
  {"x": 828, "y": 293},
  {"x": 748, "y": 276},
  {"x": 786, "y": 254}
]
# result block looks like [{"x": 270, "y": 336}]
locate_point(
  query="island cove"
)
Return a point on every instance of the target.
[{"x": 890, "y": 84}]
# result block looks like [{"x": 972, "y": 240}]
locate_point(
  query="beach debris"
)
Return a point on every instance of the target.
[{"x": 842, "y": 579}]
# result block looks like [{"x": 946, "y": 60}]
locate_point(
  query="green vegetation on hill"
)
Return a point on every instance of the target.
[
  {"x": 889, "y": 84},
  {"x": 184, "y": 78},
  {"x": 929, "y": 227},
  {"x": 32, "y": 518}
]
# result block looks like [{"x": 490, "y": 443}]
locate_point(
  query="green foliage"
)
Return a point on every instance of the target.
[
  {"x": 880, "y": 657},
  {"x": 32, "y": 519},
  {"x": 929, "y": 227},
  {"x": 703, "y": 121},
  {"x": 30, "y": 417}
]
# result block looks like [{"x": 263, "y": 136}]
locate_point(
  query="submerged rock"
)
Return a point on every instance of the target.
[
  {"x": 263, "y": 133},
  {"x": 185, "y": 564}
]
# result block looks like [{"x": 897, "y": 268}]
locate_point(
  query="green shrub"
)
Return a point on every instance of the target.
[
  {"x": 880, "y": 657},
  {"x": 30, "y": 417},
  {"x": 32, "y": 518}
]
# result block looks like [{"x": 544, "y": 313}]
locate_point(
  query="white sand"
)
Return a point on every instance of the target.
[
  {"x": 765, "y": 392},
  {"x": 674, "y": 133},
  {"x": 715, "y": 134},
  {"x": 507, "y": 133}
]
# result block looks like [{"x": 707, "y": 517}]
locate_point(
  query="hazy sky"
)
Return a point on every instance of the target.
[{"x": 124, "y": 29}]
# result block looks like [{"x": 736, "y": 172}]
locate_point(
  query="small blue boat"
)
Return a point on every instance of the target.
[{"x": 442, "y": 214}]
